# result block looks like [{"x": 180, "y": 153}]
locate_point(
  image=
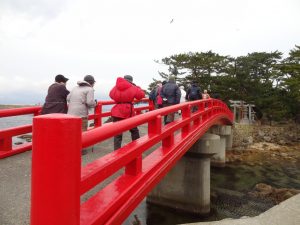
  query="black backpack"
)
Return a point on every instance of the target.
[{"x": 194, "y": 93}]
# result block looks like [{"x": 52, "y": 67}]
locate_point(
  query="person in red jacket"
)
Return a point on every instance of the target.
[{"x": 123, "y": 93}]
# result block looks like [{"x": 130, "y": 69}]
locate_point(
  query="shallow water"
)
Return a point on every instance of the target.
[
  {"x": 229, "y": 193},
  {"x": 14, "y": 121}
]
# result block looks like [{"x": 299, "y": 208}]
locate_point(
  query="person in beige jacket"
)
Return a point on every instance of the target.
[{"x": 81, "y": 99}]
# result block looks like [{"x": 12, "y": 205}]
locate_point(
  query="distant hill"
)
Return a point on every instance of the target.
[{"x": 13, "y": 106}]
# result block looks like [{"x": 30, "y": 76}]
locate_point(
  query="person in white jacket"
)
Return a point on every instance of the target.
[
  {"x": 81, "y": 99},
  {"x": 183, "y": 94}
]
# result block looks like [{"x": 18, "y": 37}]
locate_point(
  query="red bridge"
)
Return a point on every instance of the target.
[{"x": 58, "y": 180}]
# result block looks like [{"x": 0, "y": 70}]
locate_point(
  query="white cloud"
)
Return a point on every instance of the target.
[
  {"x": 36, "y": 8},
  {"x": 41, "y": 38}
]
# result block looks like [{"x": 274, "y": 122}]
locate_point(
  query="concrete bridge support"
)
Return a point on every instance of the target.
[
  {"x": 187, "y": 186},
  {"x": 225, "y": 131},
  {"x": 225, "y": 134}
]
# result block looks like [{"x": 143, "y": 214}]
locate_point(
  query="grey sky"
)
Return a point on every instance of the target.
[{"x": 42, "y": 38}]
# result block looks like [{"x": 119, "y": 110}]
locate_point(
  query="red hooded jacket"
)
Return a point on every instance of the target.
[{"x": 123, "y": 93}]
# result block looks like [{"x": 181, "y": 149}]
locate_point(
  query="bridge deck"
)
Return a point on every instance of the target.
[{"x": 15, "y": 175}]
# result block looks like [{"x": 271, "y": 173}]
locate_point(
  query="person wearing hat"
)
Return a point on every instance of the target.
[
  {"x": 81, "y": 99},
  {"x": 55, "y": 101},
  {"x": 123, "y": 93}
]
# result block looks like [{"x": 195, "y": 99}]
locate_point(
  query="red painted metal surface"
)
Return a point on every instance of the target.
[
  {"x": 6, "y": 135},
  {"x": 56, "y": 162},
  {"x": 113, "y": 203},
  {"x": 20, "y": 111}
]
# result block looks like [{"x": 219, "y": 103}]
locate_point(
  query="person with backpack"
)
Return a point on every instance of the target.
[
  {"x": 156, "y": 97},
  {"x": 194, "y": 93}
]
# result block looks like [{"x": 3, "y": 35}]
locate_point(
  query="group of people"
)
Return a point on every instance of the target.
[
  {"x": 168, "y": 93},
  {"x": 81, "y": 98}
]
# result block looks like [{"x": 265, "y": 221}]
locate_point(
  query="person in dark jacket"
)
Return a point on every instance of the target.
[
  {"x": 123, "y": 93},
  {"x": 194, "y": 93},
  {"x": 171, "y": 94},
  {"x": 56, "y": 99}
]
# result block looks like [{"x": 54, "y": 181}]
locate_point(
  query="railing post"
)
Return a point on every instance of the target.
[
  {"x": 134, "y": 167},
  {"x": 151, "y": 105},
  {"x": 154, "y": 126},
  {"x": 98, "y": 117},
  {"x": 37, "y": 112},
  {"x": 201, "y": 106},
  {"x": 186, "y": 113},
  {"x": 168, "y": 141},
  {"x": 5, "y": 143},
  {"x": 56, "y": 165}
]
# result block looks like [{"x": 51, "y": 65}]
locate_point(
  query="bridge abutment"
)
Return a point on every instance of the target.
[
  {"x": 225, "y": 133},
  {"x": 187, "y": 186}
]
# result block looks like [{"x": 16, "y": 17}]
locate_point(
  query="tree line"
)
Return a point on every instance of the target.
[{"x": 265, "y": 79}]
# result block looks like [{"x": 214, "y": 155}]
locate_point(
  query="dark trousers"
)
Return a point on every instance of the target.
[
  {"x": 118, "y": 138},
  {"x": 170, "y": 117}
]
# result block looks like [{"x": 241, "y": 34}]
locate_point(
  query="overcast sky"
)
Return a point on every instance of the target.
[{"x": 109, "y": 38}]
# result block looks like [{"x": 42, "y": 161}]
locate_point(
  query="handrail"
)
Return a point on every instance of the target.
[
  {"x": 113, "y": 203},
  {"x": 6, "y": 146},
  {"x": 35, "y": 110}
]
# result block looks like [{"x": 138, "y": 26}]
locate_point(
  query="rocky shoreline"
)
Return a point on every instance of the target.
[{"x": 261, "y": 145}]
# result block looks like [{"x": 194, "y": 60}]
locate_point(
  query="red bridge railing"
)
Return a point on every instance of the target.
[
  {"x": 58, "y": 180},
  {"x": 6, "y": 135}
]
